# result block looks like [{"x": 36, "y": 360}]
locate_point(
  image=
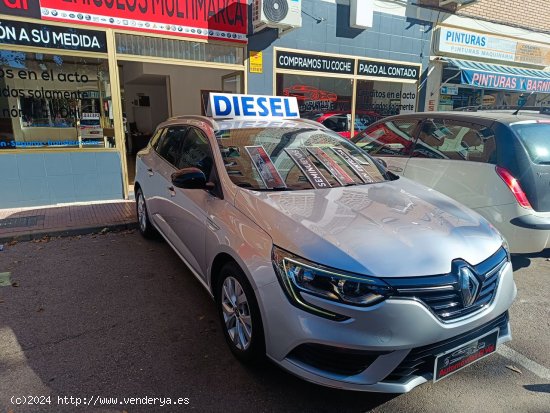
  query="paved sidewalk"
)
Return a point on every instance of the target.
[{"x": 24, "y": 224}]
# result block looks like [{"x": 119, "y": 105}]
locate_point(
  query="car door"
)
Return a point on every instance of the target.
[
  {"x": 392, "y": 141},
  {"x": 456, "y": 158},
  {"x": 147, "y": 164},
  {"x": 186, "y": 211},
  {"x": 162, "y": 165}
]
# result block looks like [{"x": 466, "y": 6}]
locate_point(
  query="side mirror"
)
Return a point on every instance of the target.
[
  {"x": 189, "y": 178},
  {"x": 382, "y": 162}
]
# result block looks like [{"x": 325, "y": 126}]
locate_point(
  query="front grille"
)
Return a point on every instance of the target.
[
  {"x": 345, "y": 362},
  {"x": 442, "y": 293},
  {"x": 420, "y": 361}
]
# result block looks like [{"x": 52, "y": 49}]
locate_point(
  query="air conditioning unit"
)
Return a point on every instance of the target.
[
  {"x": 284, "y": 15},
  {"x": 459, "y": 3}
]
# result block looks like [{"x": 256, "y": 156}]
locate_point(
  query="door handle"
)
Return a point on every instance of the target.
[
  {"x": 394, "y": 168},
  {"x": 211, "y": 225},
  {"x": 150, "y": 171},
  {"x": 172, "y": 191}
]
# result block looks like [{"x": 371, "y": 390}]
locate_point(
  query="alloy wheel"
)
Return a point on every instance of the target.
[
  {"x": 142, "y": 212},
  {"x": 236, "y": 313}
]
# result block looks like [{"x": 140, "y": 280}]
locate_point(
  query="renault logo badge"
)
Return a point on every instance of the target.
[{"x": 468, "y": 286}]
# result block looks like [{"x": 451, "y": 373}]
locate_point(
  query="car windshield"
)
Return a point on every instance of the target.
[
  {"x": 535, "y": 138},
  {"x": 291, "y": 158}
]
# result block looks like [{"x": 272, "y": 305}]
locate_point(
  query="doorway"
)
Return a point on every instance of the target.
[{"x": 154, "y": 92}]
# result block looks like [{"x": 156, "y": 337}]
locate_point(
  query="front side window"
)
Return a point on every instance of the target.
[
  {"x": 449, "y": 139},
  {"x": 170, "y": 144},
  {"x": 392, "y": 138},
  {"x": 196, "y": 152},
  {"x": 294, "y": 157}
]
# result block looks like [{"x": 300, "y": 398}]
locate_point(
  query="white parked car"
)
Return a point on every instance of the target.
[
  {"x": 496, "y": 163},
  {"x": 339, "y": 272}
]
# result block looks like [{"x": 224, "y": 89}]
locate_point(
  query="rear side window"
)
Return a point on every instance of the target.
[
  {"x": 536, "y": 139},
  {"x": 449, "y": 139},
  {"x": 392, "y": 138}
]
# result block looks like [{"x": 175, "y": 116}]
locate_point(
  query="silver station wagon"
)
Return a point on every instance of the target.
[{"x": 337, "y": 270}]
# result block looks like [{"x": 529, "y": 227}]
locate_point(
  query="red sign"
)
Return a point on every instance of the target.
[
  {"x": 206, "y": 19},
  {"x": 25, "y": 8}
]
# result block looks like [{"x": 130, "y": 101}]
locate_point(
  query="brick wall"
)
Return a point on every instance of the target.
[{"x": 530, "y": 14}]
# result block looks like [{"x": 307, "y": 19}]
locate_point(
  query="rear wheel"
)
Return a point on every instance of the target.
[
  {"x": 145, "y": 227},
  {"x": 240, "y": 315}
]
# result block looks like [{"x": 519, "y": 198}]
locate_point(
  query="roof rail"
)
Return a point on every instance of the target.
[{"x": 204, "y": 119}]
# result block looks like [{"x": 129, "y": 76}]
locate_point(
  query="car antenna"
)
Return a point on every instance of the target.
[{"x": 523, "y": 104}]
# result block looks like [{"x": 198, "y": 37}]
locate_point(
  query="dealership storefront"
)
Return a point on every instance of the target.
[
  {"x": 344, "y": 76},
  {"x": 83, "y": 84},
  {"x": 472, "y": 70},
  {"x": 345, "y": 93}
]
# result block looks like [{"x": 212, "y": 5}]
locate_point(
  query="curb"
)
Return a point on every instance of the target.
[{"x": 67, "y": 232}]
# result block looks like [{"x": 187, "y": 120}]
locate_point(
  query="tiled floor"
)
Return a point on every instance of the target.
[{"x": 65, "y": 218}]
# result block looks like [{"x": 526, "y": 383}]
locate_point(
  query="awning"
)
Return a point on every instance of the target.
[{"x": 491, "y": 76}]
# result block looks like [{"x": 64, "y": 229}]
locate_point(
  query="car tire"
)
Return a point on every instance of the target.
[
  {"x": 144, "y": 224},
  {"x": 240, "y": 315}
]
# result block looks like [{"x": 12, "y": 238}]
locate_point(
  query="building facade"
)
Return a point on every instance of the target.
[
  {"x": 342, "y": 76},
  {"x": 83, "y": 85},
  {"x": 490, "y": 55}
]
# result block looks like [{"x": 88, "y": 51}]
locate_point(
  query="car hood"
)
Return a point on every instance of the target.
[{"x": 391, "y": 229}]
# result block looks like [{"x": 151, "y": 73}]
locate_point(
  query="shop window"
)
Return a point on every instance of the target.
[
  {"x": 138, "y": 45},
  {"x": 377, "y": 100},
  {"x": 446, "y": 139},
  {"x": 326, "y": 100},
  {"x": 54, "y": 101}
]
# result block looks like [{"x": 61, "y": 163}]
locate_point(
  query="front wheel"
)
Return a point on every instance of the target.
[
  {"x": 240, "y": 315},
  {"x": 145, "y": 227}
]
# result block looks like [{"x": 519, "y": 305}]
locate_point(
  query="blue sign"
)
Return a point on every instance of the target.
[
  {"x": 489, "y": 80},
  {"x": 222, "y": 105}
]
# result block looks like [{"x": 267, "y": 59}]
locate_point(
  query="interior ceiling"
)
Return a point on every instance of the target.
[{"x": 149, "y": 80}]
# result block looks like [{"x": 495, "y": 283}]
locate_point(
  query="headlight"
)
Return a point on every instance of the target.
[{"x": 298, "y": 275}]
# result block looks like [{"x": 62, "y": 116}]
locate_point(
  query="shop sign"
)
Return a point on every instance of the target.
[
  {"x": 397, "y": 71},
  {"x": 222, "y": 20},
  {"x": 478, "y": 45},
  {"x": 534, "y": 54},
  {"x": 315, "y": 63},
  {"x": 256, "y": 62},
  {"x": 223, "y": 105},
  {"x": 24, "y": 8},
  {"x": 52, "y": 37},
  {"x": 505, "y": 82},
  {"x": 449, "y": 90}
]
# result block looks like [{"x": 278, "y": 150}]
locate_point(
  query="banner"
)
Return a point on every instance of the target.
[
  {"x": 220, "y": 20},
  {"x": 480, "y": 45},
  {"x": 315, "y": 63},
  {"x": 398, "y": 71},
  {"x": 52, "y": 37},
  {"x": 505, "y": 81}
]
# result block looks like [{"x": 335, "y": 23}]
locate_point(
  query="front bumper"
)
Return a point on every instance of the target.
[{"x": 394, "y": 330}]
